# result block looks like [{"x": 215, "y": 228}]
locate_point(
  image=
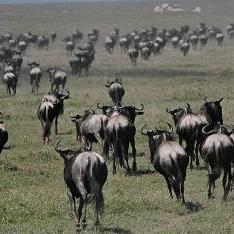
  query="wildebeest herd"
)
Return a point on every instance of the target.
[{"x": 85, "y": 171}]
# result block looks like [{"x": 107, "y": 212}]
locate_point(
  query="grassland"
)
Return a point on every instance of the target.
[{"x": 32, "y": 193}]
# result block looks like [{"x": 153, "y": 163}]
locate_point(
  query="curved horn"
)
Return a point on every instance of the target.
[
  {"x": 205, "y": 99},
  {"x": 207, "y": 133},
  {"x": 56, "y": 147},
  {"x": 188, "y": 105},
  {"x": 168, "y": 111},
  {"x": 142, "y": 132},
  {"x": 142, "y": 108},
  {"x": 1, "y": 115},
  {"x": 220, "y": 100},
  {"x": 98, "y": 106},
  {"x": 171, "y": 128}
]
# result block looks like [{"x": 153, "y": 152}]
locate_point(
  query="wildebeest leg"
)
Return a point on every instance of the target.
[
  {"x": 169, "y": 186},
  {"x": 73, "y": 208},
  {"x": 134, "y": 164},
  {"x": 124, "y": 151},
  {"x": 196, "y": 154},
  {"x": 105, "y": 151},
  {"x": 228, "y": 187},
  {"x": 224, "y": 184},
  {"x": 56, "y": 125},
  {"x": 84, "y": 217},
  {"x": 180, "y": 141},
  {"x": 190, "y": 151},
  {"x": 81, "y": 205},
  {"x": 211, "y": 187},
  {"x": 182, "y": 191}
]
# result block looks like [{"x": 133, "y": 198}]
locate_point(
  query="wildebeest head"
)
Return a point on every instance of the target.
[
  {"x": 131, "y": 111},
  {"x": 61, "y": 94},
  {"x": 33, "y": 64},
  {"x": 214, "y": 110},
  {"x": 117, "y": 80},
  {"x": 107, "y": 110},
  {"x": 176, "y": 113},
  {"x": 65, "y": 153},
  {"x": 156, "y": 137}
]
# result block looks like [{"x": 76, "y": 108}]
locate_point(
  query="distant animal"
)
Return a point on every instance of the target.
[
  {"x": 10, "y": 79},
  {"x": 51, "y": 106},
  {"x": 168, "y": 158},
  {"x": 69, "y": 47},
  {"x": 116, "y": 90},
  {"x": 133, "y": 55},
  {"x": 57, "y": 78},
  {"x": 184, "y": 46},
  {"x": 89, "y": 127},
  {"x": 85, "y": 173},
  {"x": 35, "y": 75},
  {"x": 217, "y": 151},
  {"x": 3, "y": 133}
]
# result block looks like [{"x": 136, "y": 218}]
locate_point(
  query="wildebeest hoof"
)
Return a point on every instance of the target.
[
  {"x": 134, "y": 166},
  {"x": 78, "y": 228},
  {"x": 84, "y": 225}
]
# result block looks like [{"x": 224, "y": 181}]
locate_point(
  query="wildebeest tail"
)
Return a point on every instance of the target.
[
  {"x": 175, "y": 177},
  {"x": 96, "y": 190}
]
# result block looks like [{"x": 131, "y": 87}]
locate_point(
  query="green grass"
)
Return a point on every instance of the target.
[{"x": 32, "y": 192}]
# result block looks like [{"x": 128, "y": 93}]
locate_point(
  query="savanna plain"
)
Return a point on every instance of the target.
[{"x": 33, "y": 196}]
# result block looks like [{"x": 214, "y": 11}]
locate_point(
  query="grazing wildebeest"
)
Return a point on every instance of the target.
[
  {"x": 217, "y": 151},
  {"x": 89, "y": 127},
  {"x": 85, "y": 173},
  {"x": 169, "y": 159},
  {"x": 3, "y": 134},
  {"x": 57, "y": 78},
  {"x": 116, "y": 90},
  {"x": 120, "y": 131},
  {"x": 10, "y": 80},
  {"x": 50, "y": 108},
  {"x": 35, "y": 75}
]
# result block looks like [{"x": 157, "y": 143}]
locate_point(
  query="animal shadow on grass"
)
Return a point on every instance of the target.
[
  {"x": 8, "y": 147},
  {"x": 8, "y": 167},
  {"x": 116, "y": 230},
  {"x": 140, "y": 172},
  {"x": 194, "y": 207},
  {"x": 68, "y": 132}
]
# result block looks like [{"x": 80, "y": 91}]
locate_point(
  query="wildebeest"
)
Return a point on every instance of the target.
[
  {"x": 169, "y": 159},
  {"x": 10, "y": 79},
  {"x": 43, "y": 42},
  {"x": 189, "y": 124},
  {"x": 133, "y": 55},
  {"x": 51, "y": 106},
  {"x": 90, "y": 126},
  {"x": 53, "y": 36},
  {"x": 3, "y": 133},
  {"x": 184, "y": 46},
  {"x": 109, "y": 44},
  {"x": 35, "y": 75},
  {"x": 194, "y": 40},
  {"x": 116, "y": 90},
  {"x": 217, "y": 151},
  {"x": 120, "y": 131},
  {"x": 219, "y": 38},
  {"x": 85, "y": 173},
  {"x": 85, "y": 59},
  {"x": 17, "y": 61},
  {"x": 57, "y": 78},
  {"x": 22, "y": 46},
  {"x": 69, "y": 47}
]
